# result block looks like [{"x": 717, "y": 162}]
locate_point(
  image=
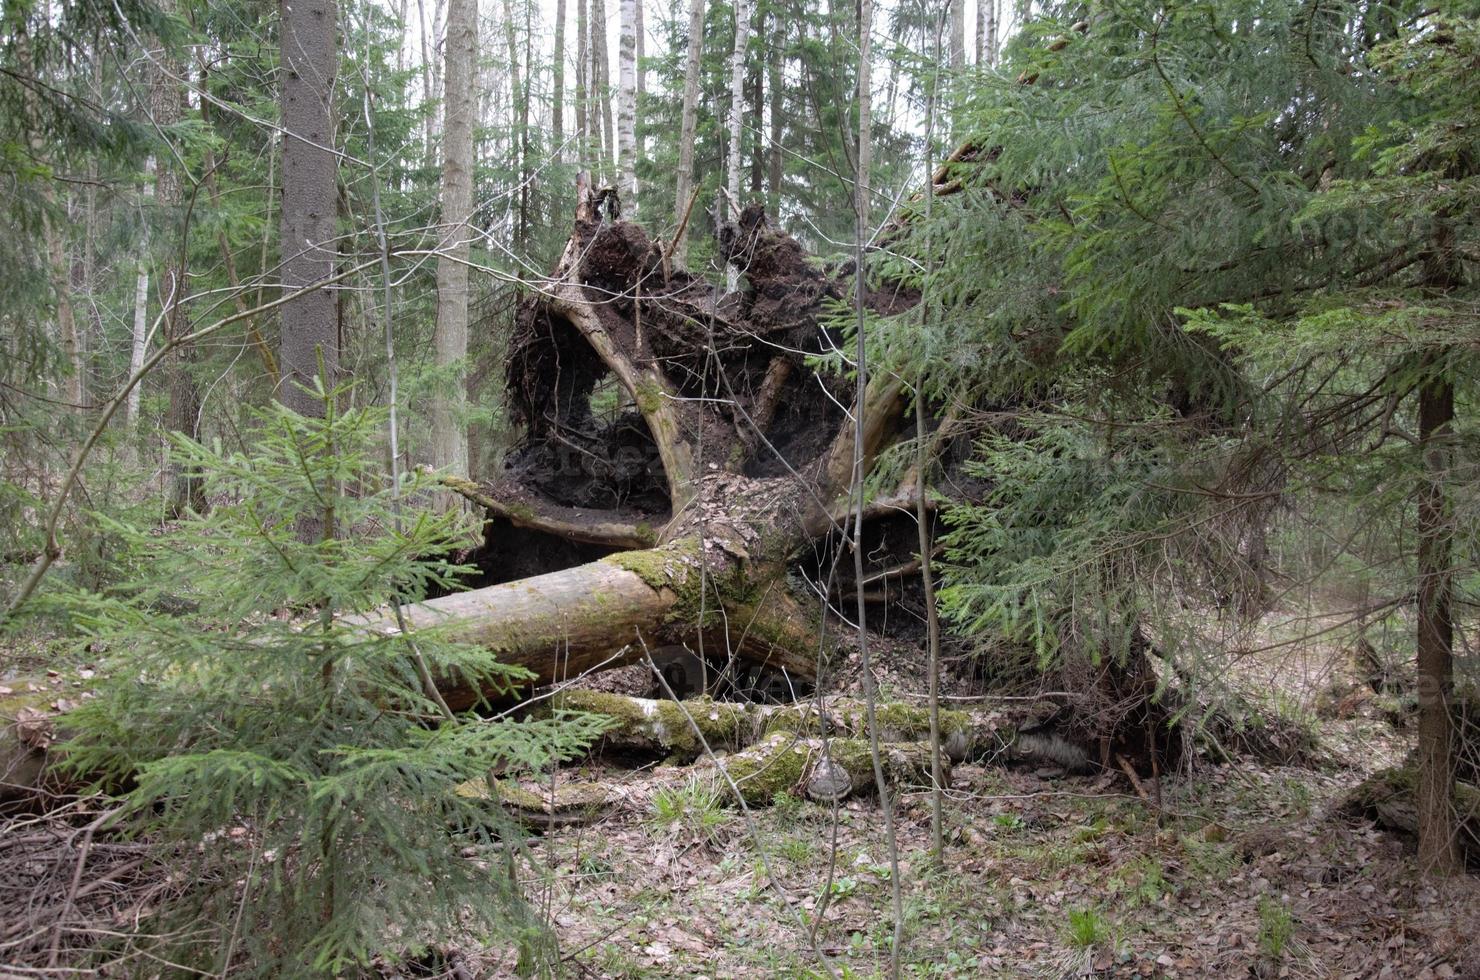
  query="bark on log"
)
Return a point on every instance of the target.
[
  {"x": 824, "y": 771},
  {"x": 1390, "y": 799},
  {"x": 821, "y": 770},
  {"x": 598, "y": 615},
  {"x": 30, "y": 710},
  {"x": 655, "y": 725}
]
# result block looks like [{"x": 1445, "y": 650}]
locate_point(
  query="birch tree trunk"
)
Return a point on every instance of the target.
[
  {"x": 450, "y": 338},
  {"x": 641, "y": 81},
  {"x": 688, "y": 126},
  {"x": 310, "y": 322},
  {"x": 602, "y": 82},
  {"x": 137, "y": 348},
  {"x": 627, "y": 106},
  {"x": 729, "y": 204},
  {"x": 986, "y": 33},
  {"x": 141, "y": 333}
]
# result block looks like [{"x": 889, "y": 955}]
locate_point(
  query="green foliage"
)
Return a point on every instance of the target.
[
  {"x": 1086, "y": 928},
  {"x": 1276, "y": 927},
  {"x": 1201, "y": 264},
  {"x": 294, "y": 762},
  {"x": 696, "y": 806}
]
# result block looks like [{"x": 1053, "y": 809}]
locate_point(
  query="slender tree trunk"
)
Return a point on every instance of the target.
[
  {"x": 138, "y": 347},
  {"x": 167, "y": 104},
  {"x": 517, "y": 142},
  {"x": 583, "y": 87},
  {"x": 688, "y": 125},
  {"x": 66, "y": 315},
  {"x": 729, "y": 204},
  {"x": 986, "y": 33},
  {"x": 602, "y": 82},
  {"x": 428, "y": 81},
  {"x": 1438, "y": 827},
  {"x": 56, "y": 252},
  {"x": 403, "y": 11},
  {"x": 958, "y": 35},
  {"x": 861, "y": 228},
  {"x": 310, "y": 323},
  {"x": 140, "y": 335},
  {"x": 627, "y": 105},
  {"x": 557, "y": 108},
  {"x": 450, "y": 338},
  {"x": 777, "y": 111},
  {"x": 756, "y": 82},
  {"x": 641, "y": 82}
]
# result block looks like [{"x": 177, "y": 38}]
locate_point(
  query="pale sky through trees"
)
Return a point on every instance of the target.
[{"x": 543, "y": 36}]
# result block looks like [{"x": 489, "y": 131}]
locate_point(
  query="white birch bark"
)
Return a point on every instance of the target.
[
  {"x": 627, "y": 106},
  {"x": 729, "y": 205}
]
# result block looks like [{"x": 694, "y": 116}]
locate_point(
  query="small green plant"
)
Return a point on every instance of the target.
[
  {"x": 695, "y": 805},
  {"x": 1008, "y": 821},
  {"x": 1276, "y": 927},
  {"x": 1145, "y": 880},
  {"x": 843, "y": 886},
  {"x": 796, "y": 850},
  {"x": 241, "y": 708},
  {"x": 1087, "y": 927},
  {"x": 591, "y": 866}
]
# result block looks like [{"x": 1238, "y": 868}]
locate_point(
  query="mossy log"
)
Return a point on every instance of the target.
[
  {"x": 536, "y": 806},
  {"x": 1389, "y": 799},
  {"x": 655, "y": 725},
  {"x": 822, "y": 770}
]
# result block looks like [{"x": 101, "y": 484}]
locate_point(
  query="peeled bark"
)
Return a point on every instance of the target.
[{"x": 603, "y": 614}]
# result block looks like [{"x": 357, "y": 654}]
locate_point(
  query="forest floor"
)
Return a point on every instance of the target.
[{"x": 1248, "y": 870}]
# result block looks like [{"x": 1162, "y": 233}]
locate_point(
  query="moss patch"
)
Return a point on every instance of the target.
[
  {"x": 648, "y": 396},
  {"x": 775, "y": 766},
  {"x": 898, "y": 722},
  {"x": 663, "y": 725}
]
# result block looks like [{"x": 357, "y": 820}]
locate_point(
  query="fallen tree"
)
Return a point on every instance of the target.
[
  {"x": 673, "y": 460},
  {"x": 682, "y": 472}
]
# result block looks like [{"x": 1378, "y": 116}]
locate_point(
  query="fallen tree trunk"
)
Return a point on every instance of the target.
[
  {"x": 655, "y": 725},
  {"x": 603, "y": 614},
  {"x": 1389, "y": 799},
  {"x": 820, "y": 770},
  {"x": 781, "y": 764}
]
